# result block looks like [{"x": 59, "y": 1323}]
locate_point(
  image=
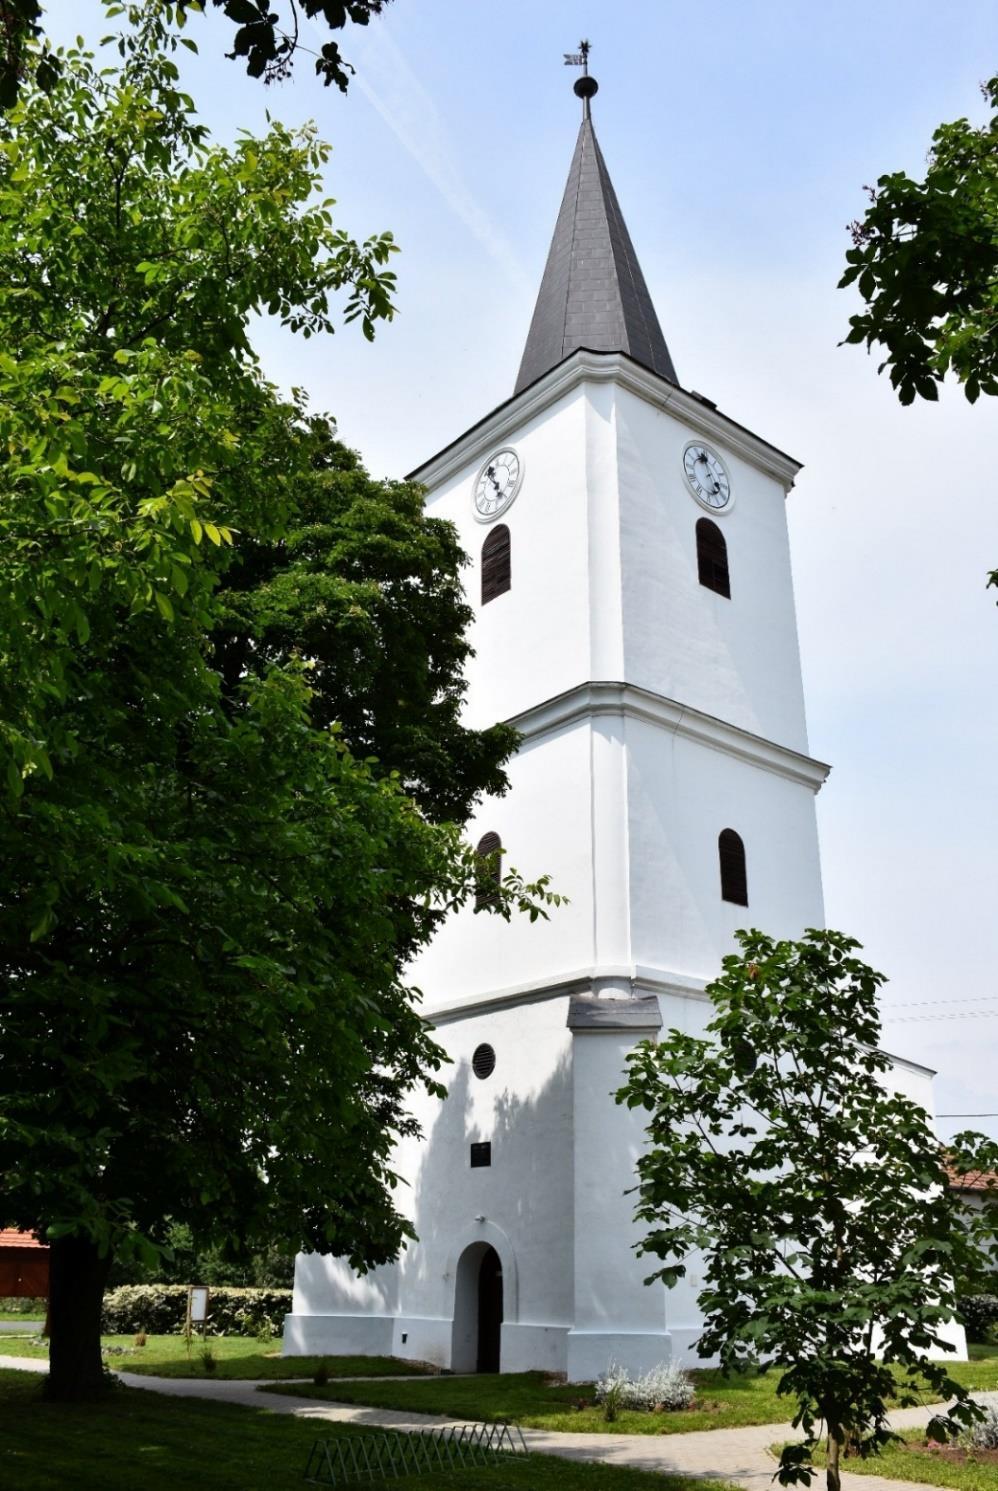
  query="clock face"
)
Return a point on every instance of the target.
[
  {"x": 497, "y": 484},
  {"x": 707, "y": 477}
]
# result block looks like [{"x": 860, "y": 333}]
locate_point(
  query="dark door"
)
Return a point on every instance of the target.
[{"x": 489, "y": 1311}]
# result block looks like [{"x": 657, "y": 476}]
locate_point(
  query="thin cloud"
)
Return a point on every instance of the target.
[{"x": 391, "y": 87}]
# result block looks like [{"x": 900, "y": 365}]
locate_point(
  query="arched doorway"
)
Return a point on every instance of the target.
[
  {"x": 478, "y": 1310},
  {"x": 489, "y": 1311}
]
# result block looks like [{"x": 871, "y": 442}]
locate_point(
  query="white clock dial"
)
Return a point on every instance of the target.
[
  {"x": 497, "y": 484},
  {"x": 707, "y": 476}
]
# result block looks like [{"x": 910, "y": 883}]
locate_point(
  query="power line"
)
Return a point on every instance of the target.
[
  {"x": 956, "y": 1015},
  {"x": 913, "y": 1004},
  {"x": 967, "y": 1115}
]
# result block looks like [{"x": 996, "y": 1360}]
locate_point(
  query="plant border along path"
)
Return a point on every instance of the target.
[{"x": 740, "y": 1455}]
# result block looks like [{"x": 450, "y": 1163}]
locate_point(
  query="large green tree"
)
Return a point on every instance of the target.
[
  {"x": 816, "y": 1194},
  {"x": 925, "y": 261},
  {"x": 208, "y": 900},
  {"x": 368, "y": 588},
  {"x": 267, "y": 34}
]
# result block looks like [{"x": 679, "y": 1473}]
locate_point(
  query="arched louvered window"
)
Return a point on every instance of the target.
[
  {"x": 734, "y": 880},
  {"x": 712, "y": 558},
  {"x": 489, "y": 851},
  {"x": 495, "y": 563}
]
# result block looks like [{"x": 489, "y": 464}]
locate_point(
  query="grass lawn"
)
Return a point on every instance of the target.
[
  {"x": 913, "y": 1462},
  {"x": 142, "y": 1439},
  {"x": 238, "y": 1356},
  {"x": 531, "y": 1399}
]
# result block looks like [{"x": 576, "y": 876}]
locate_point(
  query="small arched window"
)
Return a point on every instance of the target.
[
  {"x": 489, "y": 851},
  {"x": 495, "y": 564},
  {"x": 734, "y": 879},
  {"x": 712, "y": 558}
]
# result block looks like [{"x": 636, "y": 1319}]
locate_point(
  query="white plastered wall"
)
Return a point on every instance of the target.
[{"x": 623, "y": 812}]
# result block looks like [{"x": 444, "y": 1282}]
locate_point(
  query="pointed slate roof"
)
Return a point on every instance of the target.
[{"x": 593, "y": 293}]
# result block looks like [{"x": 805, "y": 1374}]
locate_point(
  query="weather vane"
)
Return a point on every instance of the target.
[{"x": 585, "y": 86}]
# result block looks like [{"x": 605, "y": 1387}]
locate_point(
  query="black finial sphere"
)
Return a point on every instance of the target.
[{"x": 586, "y": 86}]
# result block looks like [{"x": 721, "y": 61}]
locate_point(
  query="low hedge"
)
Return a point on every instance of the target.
[
  {"x": 161, "y": 1310},
  {"x": 13, "y": 1304},
  {"x": 979, "y": 1312}
]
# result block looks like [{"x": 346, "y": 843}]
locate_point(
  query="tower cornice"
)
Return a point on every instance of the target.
[
  {"x": 586, "y": 366},
  {"x": 595, "y": 699}
]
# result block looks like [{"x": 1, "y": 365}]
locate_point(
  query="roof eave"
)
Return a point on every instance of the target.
[{"x": 587, "y": 365}]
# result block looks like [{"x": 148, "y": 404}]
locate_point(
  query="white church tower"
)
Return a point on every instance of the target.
[{"x": 634, "y": 619}]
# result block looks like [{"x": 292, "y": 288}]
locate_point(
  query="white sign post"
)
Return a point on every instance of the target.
[{"x": 197, "y": 1306}]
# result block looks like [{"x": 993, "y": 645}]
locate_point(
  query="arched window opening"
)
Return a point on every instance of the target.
[
  {"x": 495, "y": 564},
  {"x": 489, "y": 851},
  {"x": 734, "y": 879},
  {"x": 712, "y": 558}
]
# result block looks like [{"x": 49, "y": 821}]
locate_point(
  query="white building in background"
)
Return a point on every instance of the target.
[{"x": 635, "y": 621}]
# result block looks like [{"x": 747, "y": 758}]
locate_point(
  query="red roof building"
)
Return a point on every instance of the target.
[{"x": 24, "y": 1265}]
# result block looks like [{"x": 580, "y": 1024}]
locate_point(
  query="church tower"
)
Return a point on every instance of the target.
[{"x": 634, "y": 619}]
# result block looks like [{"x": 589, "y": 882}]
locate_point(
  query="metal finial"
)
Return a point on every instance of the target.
[{"x": 585, "y": 86}]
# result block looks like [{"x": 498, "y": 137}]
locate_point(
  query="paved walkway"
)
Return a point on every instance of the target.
[{"x": 739, "y": 1455}]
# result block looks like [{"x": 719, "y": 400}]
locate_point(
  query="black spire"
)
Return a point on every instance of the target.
[{"x": 593, "y": 293}]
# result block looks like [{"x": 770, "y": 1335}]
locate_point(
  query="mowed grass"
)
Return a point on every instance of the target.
[
  {"x": 912, "y": 1461},
  {"x": 534, "y": 1401},
  {"x": 141, "y": 1439},
  {"x": 236, "y": 1356}
]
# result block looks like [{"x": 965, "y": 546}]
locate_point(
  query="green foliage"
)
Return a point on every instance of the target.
[
  {"x": 979, "y": 1313},
  {"x": 182, "y": 1260},
  {"x": 817, "y": 1195},
  {"x": 267, "y": 35},
  {"x": 161, "y": 1309},
  {"x": 209, "y": 900},
  {"x": 925, "y": 261},
  {"x": 368, "y": 588}
]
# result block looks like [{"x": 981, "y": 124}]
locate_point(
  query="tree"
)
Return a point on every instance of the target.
[
  {"x": 816, "y": 1193},
  {"x": 368, "y": 587},
  {"x": 925, "y": 261},
  {"x": 208, "y": 901},
  {"x": 267, "y": 35}
]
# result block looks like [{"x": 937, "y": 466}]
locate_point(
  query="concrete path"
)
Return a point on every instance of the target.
[{"x": 739, "y": 1455}]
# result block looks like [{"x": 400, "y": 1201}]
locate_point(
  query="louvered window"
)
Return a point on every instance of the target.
[
  {"x": 495, "y": 564},
  {"x": 734, "y": 880},
  {"x": 483, "y": 1061},
  {"x": 489, "y": 851},
  {"x": 712, "y": 558}
]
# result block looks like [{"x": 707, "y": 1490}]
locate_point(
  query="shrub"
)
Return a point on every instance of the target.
[
  {"x": 321, "y": 1374},
  {"x": 666, "y": 1386},
  {"x": 979, "y": 1312},
  {"x": 161, "y": 1310},
  {"x": 23, "y": 1305},
  {"x": 984, "y": 1435},
  {"x": 206, "y": 1353}
]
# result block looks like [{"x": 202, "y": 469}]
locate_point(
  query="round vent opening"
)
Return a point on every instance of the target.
[{"x": 483, "y": 1063}]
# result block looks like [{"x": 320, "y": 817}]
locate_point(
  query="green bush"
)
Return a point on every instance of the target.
[
  {"x": 979, "y": 1312},
  {"x": 23, "y": 1305},
  {"x": 161, "y": 1310}
]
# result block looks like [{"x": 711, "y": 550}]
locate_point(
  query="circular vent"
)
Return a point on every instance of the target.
[{"x": 483, "y": 1063}]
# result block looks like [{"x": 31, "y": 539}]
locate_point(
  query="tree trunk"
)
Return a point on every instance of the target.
[
  {"x": 77, "y": 1275},
  {"x": 833, "y": 1476}
]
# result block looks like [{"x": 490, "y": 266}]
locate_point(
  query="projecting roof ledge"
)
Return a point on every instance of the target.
[{"x": 587, "y": 1012}]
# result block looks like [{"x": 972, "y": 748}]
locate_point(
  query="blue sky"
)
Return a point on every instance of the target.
[{"x": 739, "y": 134}]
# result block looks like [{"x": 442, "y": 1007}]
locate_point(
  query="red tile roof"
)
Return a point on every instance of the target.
[
  {"x": 974, "y": 1180},
  {"x": 9, "y": 1238}
]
